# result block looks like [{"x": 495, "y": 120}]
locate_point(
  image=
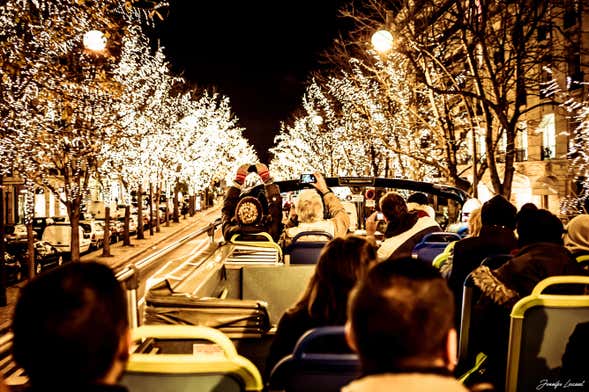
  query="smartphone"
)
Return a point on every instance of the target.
[
  {"x": 379, "y": 216},
  {"x": 307, "y": 178}
]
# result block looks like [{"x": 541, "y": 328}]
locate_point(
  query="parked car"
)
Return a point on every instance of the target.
[
  {"x": 46, "y": 255},
  {"x": 15, "y": 232},
  {"x": 132, "y": 223},
  {"x": 39, "y": 224},
  {"x": 12, "y": 268},
  {"x": 60, "y": 236},
  {"x": 96, "y": 231}
]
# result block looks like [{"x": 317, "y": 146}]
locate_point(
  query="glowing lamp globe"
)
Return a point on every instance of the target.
[
  {"x": 94, "y": 40},
  {"x": 317, "y": 120},
  {"x": 382, "y": 41}
]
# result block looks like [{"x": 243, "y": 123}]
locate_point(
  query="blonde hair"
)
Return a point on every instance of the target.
[
  {"x": 474, "y": 223},
  {"x": 309, "y": 206}
]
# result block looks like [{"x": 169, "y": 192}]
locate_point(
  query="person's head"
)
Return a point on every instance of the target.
[
  {"x": 393, "y": 206},
  {"x": 341, "y": 263},
  {"x": 78, "y": 312},
  {"x": 474, "y": 223},
  {"x": 498, "y": 211},
  {"x": 418, "y": 198},
  {"x": 309, "y": 206},
  {"x": 576, "y": 238},
  {"x": 539, "y": 226},
  {"x": 467, "y": 208},
  {"x": 400, "y": 316}
]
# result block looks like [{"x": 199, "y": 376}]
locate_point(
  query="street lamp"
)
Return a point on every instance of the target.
[
  {"x": 382, "y": 41},
  {"x": 94, "y": 40}
]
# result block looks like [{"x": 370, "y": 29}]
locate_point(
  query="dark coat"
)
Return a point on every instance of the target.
[
  {"x": 503, "y": 287},
  {"x": 273, "y": 220},
  {"x": 469, "y": 252}
]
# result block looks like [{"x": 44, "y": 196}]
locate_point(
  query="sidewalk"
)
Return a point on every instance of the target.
[{"x": 120, "y": 254}]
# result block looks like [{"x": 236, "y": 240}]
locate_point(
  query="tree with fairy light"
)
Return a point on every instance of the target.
[
  {"x": 487, "y": 53},
  {"x": 57, "y": 86}
]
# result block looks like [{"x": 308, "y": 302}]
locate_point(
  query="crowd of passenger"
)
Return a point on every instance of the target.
[{"x": 402, "y": 315}]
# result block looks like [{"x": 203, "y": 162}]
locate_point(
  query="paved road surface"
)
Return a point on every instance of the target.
[{"x": 120, "y": 254}]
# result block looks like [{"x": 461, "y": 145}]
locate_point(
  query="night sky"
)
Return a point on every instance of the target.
[{"x": 258, "y": 53}]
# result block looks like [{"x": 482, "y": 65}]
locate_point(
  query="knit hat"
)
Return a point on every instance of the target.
[
  {"x": 498, "y": 211},
  {"x": 539, "y": 226},
  {"x": 576, "y": 238}
]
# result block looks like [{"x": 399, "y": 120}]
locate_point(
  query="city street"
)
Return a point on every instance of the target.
[{"x": 124, "y": 255}]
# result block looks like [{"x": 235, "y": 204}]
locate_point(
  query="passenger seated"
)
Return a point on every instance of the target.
[
  {"x": 576, "y": 239},
  {"x": 404, "y": 228},
  {"x": 308, "y": 213},
  {"x": 400, "y": 321},
  {"x": 342, "y": 262},
  {"x": 540, "y": 256},
  {"x": 252, "y": 204},
  {"x": 71, "y": 331},
  {"x": 418, "y": 202}
]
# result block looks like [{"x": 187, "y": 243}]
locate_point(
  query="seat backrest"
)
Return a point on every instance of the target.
[
  {"x": 307, "y": 369},
  {"x": 470, "y": 296},
  {"x": 433, "y": 244},
  {"x": 208, "y": 361},
  {"x": 304, "y": 251},
  {"x": 257, "y": 240},
  {"x": 541, "y": 325}
]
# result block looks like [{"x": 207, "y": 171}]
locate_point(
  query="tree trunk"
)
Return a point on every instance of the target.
[
  {"x": 151, "y": 209},
  {"x": 30, "y": 250},
  {"x": 106, "y": 236},
  {"x": 126, "y": 236},
  {"x": 74, "y": 213},
  {"x": 157, "y": 198},
  {"x": 3, "y": 301},
  {"x": 176, "y": 216},
  {"x": 140, "y": 234}
]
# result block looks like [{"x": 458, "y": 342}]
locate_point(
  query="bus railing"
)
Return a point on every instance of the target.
[{"x": 129, "y": 278}]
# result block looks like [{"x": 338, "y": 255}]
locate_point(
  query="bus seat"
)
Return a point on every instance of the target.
[
  {"x": 470, "y": 296},
  {"x": 540, "y": 327},
  {"x": 432, "y": 245},
  {"x": 306, "y": 369},
  {"x": 306, "y": 251},
  {"x": 179, "y": 358},
  {"x": 261, "y": 240},
  {"x": 280, "y": 286}
]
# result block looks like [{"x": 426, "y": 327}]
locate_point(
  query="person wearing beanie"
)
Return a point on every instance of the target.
[
  {"x": 254, "y": 183},
  {"x": 541, "y": 255},
  {"x": 419, "y": 202},
  {"x": 496, "y": 237},
  {"x": 576, "y": 238}
]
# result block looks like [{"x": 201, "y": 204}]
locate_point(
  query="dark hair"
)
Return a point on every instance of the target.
[
  {"x": 342, "y": 262},
  {"x": 394, "y": 208},
  {"x": 539, "y": 226},
  {"x": 400, "y": 315},
  {"x": 78, "y": 311},
  {"x": 498, "y": 211},
  {"x": 419, "y": 198}
]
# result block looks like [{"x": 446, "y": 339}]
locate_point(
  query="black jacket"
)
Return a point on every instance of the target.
[
  {"x": 469, "y": 252},
  {"x": 272, "y": 222},
  {"x": 503, "y": 287}
]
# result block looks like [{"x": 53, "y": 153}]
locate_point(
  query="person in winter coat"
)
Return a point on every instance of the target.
[
  {"x": 541, "y": 254},
  {"x": 400, "y": 322},
  {"x": 308, "y": 213},
  {"x": 576, "y": 239},
  {"x": 254, "y": 191},
  {"x": 404, "y": 228},
  {"x": 496, "y": 237}
]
